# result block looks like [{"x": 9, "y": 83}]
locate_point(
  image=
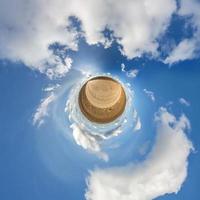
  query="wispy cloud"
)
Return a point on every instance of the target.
[
  {"x": 130, "y": 73},
  {"x": 184, "y": 102},
  {"x": 51, "y": 88},
  {"x": 138, "y": 125},
  {"x": 183, "y": 51},
  {"x": 42, "y": 110},
  {"x": 150, "y": 94}
]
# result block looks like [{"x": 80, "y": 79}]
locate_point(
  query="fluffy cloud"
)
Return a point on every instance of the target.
[
  {"x": 28, "y": 28},
  {"x": 87, "y": 141},
  {"x": 42, "y": 110},
  {"x": 136, "y": 24},
  {"x": 163, "y": 172},
  {"x": 188, "y": 48},
  {"x": 60, "y": 69}
]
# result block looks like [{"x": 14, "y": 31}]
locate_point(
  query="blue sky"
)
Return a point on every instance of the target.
[{"x": 47, "y": 49}]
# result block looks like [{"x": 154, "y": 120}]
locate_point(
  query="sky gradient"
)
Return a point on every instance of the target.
[{"x": 47, "y": 50}]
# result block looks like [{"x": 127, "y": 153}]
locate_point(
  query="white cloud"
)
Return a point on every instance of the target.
[
  {"x": 117, "y": 131},
  {"x": 28, "y": 28},
  {"x": 42, "y": 110},
  {"x": 136, "y": 24},
  {"x": 87, "y": 141},
  {"x": 137, "y": 121},
  {"x": 123, "y": 67},
  {"x": 184, "y": 102},
  {"x": 183, "y": 51},
  {"x": 51, "y": 88},
  {"x": 138, "y": 125},
  {"x": 163, "y": 172},
  {"x": 188, "y": 47},
  {"x": 131, "y": 73},
  {"x": 60, "y": 69},
  {"x": 150, "y": 94}
]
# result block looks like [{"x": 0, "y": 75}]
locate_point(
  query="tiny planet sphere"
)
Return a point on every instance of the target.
[{"x": 102, "y": 99}]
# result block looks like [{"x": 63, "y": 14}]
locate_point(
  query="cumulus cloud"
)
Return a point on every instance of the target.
[
  {"x": 150, "y": 94},
  {"x": 87, "y": 141},
  {"x": 135, "y": 24},
  {"x": 184, "y": 102},
  {"x": 188, "y": 48},
  {"x": 163, "y": 172},
  {"x": 42, "y": 110},
  {"x": 60, "y": 69},
  {"x": 29, "y": 28}
]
